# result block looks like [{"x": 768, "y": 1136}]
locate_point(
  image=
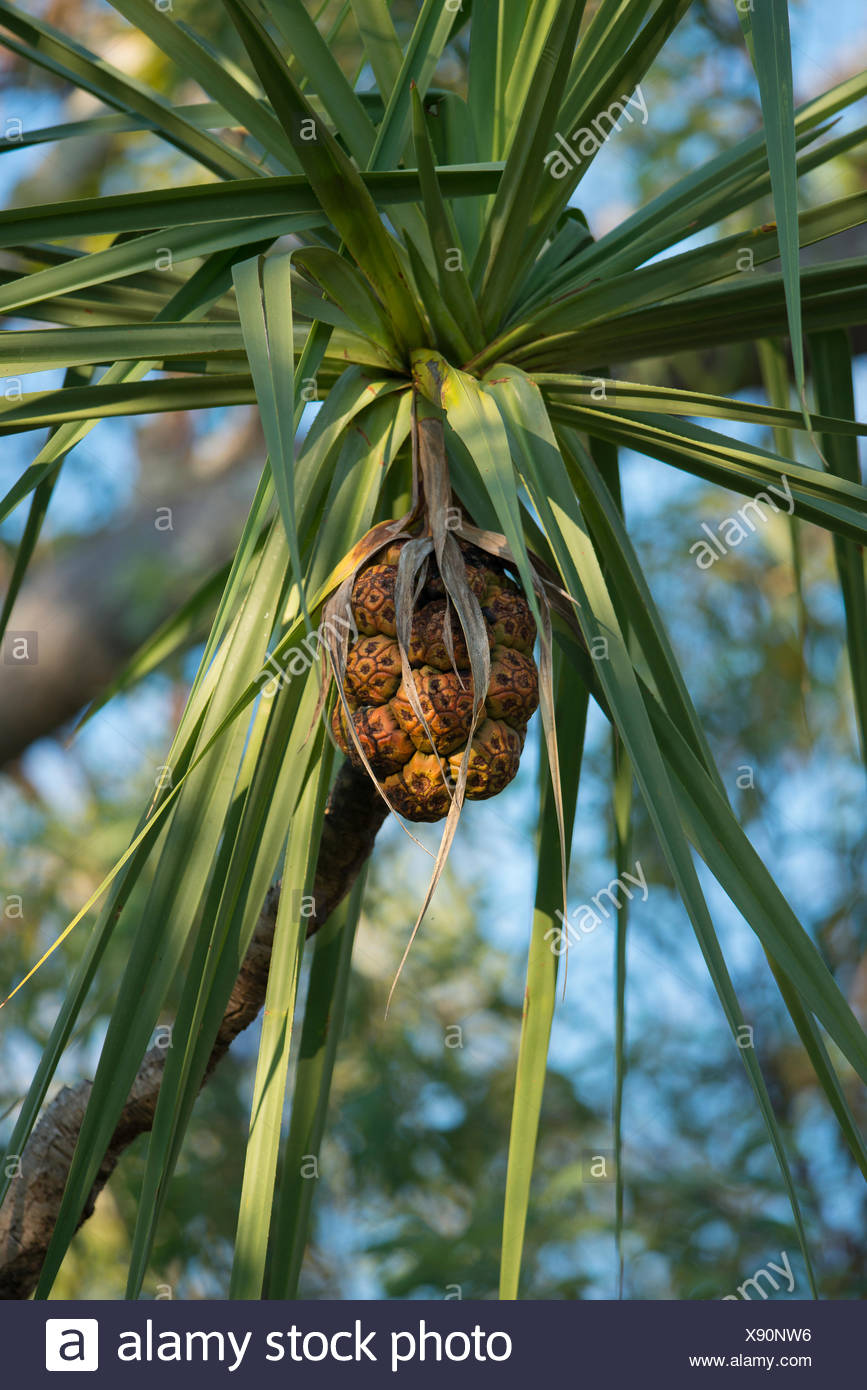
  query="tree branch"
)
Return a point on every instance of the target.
[
  {"x": 353, "y": 817},
  {"x": 86, "y": 607}
]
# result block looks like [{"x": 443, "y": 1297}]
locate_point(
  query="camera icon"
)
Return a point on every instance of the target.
[{"x": 71, "y": 1344}]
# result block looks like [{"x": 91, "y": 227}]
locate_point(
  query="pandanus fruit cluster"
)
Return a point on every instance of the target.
[{"x": 437, "y": 684}]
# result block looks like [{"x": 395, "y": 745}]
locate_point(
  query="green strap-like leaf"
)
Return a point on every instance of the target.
[
  {"x": 254, "y": 830},
  {"x": 142, "y": 253},
  {"x": 547, "y": 939},
  {"x": 270, "y": 783},
  {"x": 633, "y": 596},
  {"x": 603, "y": 84},
  {"x": 325, "y": 76},
  {"x": 622, "y": 808},
  {"x": 831, "y": 359},
  {"x": 191, "y": 301},
  {"x": 33, "y": 526},
  {"x": 244, "y": 200},
  {"x": 37, "y": 350},
  {"x": 714, "y": 831},
  {"x": 447, "y": 332},
  {"x": 694, "y": 200},
  {"x": 450, "y": 128},
  {"x": 767, "y": 30},
  {"x": 733, "y": 180},
  {"x": 423, "y": 52},
  {"x": 266, "y": 322},
  {"x": 736, "y": 311},
  {"x": 494, "y": 37},
  {"x": 452, "y": 278},
  {"x": 348, "y": 289},
  {"x": 629, "y": 395},
  {"x": 676, "y": 275},
  {"x": 167, "y": 918},
  {"x": 380, "y": 41},
  {"x": 834, "y": 503},
  {"x": 269, "y": 1089},
  {"x": 51, "y": 49},
  {"x": 204, "y": 115},
  {"x": 730, "y": 856},
  {"x": 335, "y": 180},
  {"x": 37, "y": 409},
  {"x": 615, "y": 548},
  {"x": 476, "y": 420},
  {"x": 324, "y": 1012},
  {"x": 556, "y": 505},
  {"x": 774, "y": 367},
  {"x": 122, "y": 884},
  {"x": 194, "y": 61},
  {"x": 524, "y": 39},
  {"x": 822, "y": 1066},
  {"x": 239, "y": 883},
  {"x": 514, "y": 211}
]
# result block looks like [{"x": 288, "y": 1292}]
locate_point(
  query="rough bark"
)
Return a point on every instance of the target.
[{"x": 353, "y": 817}]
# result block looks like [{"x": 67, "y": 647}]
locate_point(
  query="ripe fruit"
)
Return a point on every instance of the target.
[
  {"x": 373, "y": 670},
  {"x": 414, "y": 740}
]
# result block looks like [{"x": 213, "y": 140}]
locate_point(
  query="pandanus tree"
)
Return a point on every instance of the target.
[{"x": 412, "y": 258}]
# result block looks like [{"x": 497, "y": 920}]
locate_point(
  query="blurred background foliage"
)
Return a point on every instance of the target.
[{"x": 410, "y": 1186}]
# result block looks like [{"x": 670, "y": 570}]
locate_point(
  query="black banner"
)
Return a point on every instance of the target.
[{"x": 486, "y": 1344}]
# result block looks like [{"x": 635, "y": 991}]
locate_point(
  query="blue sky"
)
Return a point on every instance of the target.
[{"x": 100, "y": 482}]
